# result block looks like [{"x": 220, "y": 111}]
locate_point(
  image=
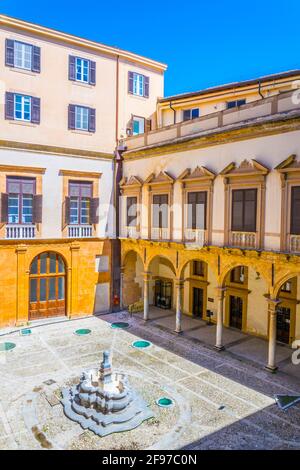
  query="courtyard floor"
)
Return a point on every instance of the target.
[{"x": 222, "y": 400}]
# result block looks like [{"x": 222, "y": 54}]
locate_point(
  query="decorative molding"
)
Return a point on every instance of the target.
[
  {"x": 22, "y": 169},
  {"x": 246, "y": 168},
  {"x": 162, "y": 178},
  {"x": 80, "y": 174},
  {"x": 132, "y": 181},
  {"x": 198, "y": 174}
]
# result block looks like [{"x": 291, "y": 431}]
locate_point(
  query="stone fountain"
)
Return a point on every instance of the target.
[{"x": 103, "y": 401}]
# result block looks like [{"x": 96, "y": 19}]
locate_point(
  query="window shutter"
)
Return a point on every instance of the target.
[
  {"x": 295, "y": 210},
  {"x": 130, "y": 82},
  {"x": 36, "y": 59},
  {"x": 72, "y": 61},
  {"x": 9, "y": 52},
  {"x": 94, "y": 208},
  {"x": 37, "y": 209},
  {"x": 9, "y": 105},
  {"x": 4, "y": 208},
  {"x": 147, "y": 125},
  {"x": 186, "y": 114},
  {"x": 35, "y": 110},
  {"x": 66, "y": 211},
  {"x": 71, "y": 116},
  {"x": 146, "y": 87},
  {"x": 250, "y": 210},
  {"x": 237, "y": 210},
  {"x": 92, "y": 120},
  {"x": 92, "y": 79}
]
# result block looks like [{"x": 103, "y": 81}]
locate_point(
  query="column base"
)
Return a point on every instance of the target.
[
  {"x": 178, "y": 332},
  {"x": 145, "y": 320},
  {"x": 271, "y": 369},
  {"x": 219, "y": 348}
]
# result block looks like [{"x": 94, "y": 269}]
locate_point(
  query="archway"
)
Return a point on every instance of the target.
[
  {"x": 47, "y": 286},
  {"x": 162, "y": 288},
  {"x": 132, "y": 278}
]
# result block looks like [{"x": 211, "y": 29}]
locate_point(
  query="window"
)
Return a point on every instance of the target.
[
  {"x": 138, "y": 125},
  {"x": 81, "y": 118},
  {"x": 237, "y": 275},
  {"x": 138, "y": 84},
  {"x": 80, "y": 194},
  {"x": 22, "y": 108},
  {"x": 22, "y": 55},
  {"x": 235, "y": 104},
  {"x": 131, "y": 203},
  {"x": 189, "y": 114},
  {"x": 198, "y": 268},
  {"x": 295, "y": 210},
  {"x": 82, "y": 70},
  {"x": 287, "y": 287},
  {"x": 160, "y": 211},
  {"x": 244, "y": 210},
  {"x": 197, "y": 210},
  {"x": 20, "y": 200}
]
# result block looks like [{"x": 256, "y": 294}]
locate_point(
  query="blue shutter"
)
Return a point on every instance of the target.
[
  {"x": 92, "y": 78},
  {"x": 36, "y": 59},
  {"x": 9, "y": 105},
  {"x": 72, "y": 72},
  {"x": 9, "y": 52},
  {"x": 92, "y": 120},
  {"x": 35, "y": 110}
]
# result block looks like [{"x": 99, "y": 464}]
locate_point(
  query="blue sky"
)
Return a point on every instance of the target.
[{"x": 204, "y": 43}]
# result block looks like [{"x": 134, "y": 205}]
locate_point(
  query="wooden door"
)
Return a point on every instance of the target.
[
  {"x": 47, "y": 286},
  {"x": 236, "y": 312},
  {"x": 198, "y": 302},
  {"x": 283, "y": 324}
]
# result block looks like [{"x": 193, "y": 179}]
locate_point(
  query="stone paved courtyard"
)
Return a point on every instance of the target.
[{"x": 221, "y": 400}]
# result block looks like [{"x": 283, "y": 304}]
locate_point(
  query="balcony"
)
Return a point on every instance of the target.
[
  {"x": 195, "y": 236},
  {"x": 162, "y": 234},
  {"x": 294, "y": 243},
  {"x": 130, "y": 232},
  {"x": 243, "y": 239},
  {"x": 20, "y": 232},
  {"x": 80, "y": 231}
]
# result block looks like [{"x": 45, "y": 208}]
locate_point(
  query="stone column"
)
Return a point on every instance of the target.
[
  {"x": 179, "y": 287},
  {"x": 220, "y": 314},
  {"x": 272, "y": 315},
  {"x": 146, "y": 295},
  {"x": 121, "y": 287}
]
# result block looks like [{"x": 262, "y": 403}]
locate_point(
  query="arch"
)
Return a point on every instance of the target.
[
  {"x": 47, "y": 285},
  {"x": 246, "y": 263},
  {"x": 132, "y": 277},
  {"x": 149, "y": 262},
  {"x": 182, "y": 267},
  {"x": 279, "y": 284},
  {"x": 125, "y": 254}
]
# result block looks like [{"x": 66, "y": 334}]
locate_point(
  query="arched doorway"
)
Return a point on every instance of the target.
[
  {"x": 236, "y": 297},
  {"x": 47, "y": 286},
  {"x": 162, "y": 293},
  {"x": 132, "y": 283}
]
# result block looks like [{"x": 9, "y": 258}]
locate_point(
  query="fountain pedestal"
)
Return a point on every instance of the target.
[{"x": 103, "y": 401}]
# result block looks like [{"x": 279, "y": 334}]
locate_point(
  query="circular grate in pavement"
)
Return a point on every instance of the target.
[
  {"x": 141, "y": 344},
  {"x": 119, "y": 325},
  {"x": 7, "y": 346},
  {"x": 165, "y": 402},
  {"x": 83, "y": 331}
]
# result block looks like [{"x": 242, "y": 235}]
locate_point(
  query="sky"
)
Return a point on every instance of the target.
[{"x": 204, "y": 43}]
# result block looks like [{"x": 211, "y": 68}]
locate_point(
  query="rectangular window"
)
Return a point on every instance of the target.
[
  {"x": 138, "y": 84},
  {"x": 80, "y": 194},
  {"x": 22, "y": 107},
  {"x": 235, "y": 104},
  {"x": 189, "y": 114},
  {"x": 160, "y": 211},
  {"x": 198, "y": 268},
  {"x": 22, "y": 55},
  {"x": 131, "y": 205},
  {"x": 20, "y": 200},
  {"x": 138, "y": 125},
  {"x": 82, "y": 70},
  {"x": 244, "y": 210},
  {"x": 197, "y": 210},
  {"x": 295, "y": 210},
  {"x": 81, "y": 118}
]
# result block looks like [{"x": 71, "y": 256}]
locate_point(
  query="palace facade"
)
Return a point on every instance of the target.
[{"x": 113, "y": 194}]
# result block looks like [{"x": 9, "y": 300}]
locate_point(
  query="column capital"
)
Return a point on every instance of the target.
[
  {"x": 75, "y": 247},
  {"x": 179, "y": 283},
  {"x": 146, "y": 276},
  {"x": 21, "y": 249},
  {"x": 272, "y": 304},
  {"x": 220, "y": 292}
]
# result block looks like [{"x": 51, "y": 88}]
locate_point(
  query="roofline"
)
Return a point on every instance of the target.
[
  {"x": 228, "y": 86},
  {"x": 43, "y": 31}
]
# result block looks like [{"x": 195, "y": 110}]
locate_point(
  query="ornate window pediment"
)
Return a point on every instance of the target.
[
  {"x": 200, "y": 173},
  {"x": 250, "y": 168},
  {"x": 162, "y": 178},
  {"x": 133, "y": 182}
]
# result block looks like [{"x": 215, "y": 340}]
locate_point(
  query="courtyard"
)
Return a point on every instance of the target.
[{"x": 221, "y": 400}]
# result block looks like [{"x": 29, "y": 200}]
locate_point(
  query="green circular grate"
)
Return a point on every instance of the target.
[
  {"x": 83, "y": 331},
  {"x": 119, "y": 324},
  {"x": 165, "y": 402},
  {"x": 7, "y": 346},
  {"x": 25, "y": 332},
  {"x": 141, "y": 344}
]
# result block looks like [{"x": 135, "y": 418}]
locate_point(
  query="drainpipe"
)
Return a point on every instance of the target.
[
  {"x": 259, "y": 90},
  {"x": 174, "y": 111}
]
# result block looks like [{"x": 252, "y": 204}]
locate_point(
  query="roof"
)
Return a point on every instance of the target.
[
  {"x": 39, "y": 30},
  {"x": 228, "y": 86}
]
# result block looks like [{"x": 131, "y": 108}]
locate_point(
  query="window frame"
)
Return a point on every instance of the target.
[
  {"x": 81, "y": 80},
  {"x": 160, "y": 215},
  {"x": 138, "y": 119},
  {"x": 242, "y": 228},
  {"x": 235, "y": 103},
  {"x": 293, "y": 230},
  {"x": 138, "y": 84},
  {"x": 130, "y": 217},
  {"x": 24, "y": 44},
  {"x": 82, "y": 108},
  {"x": 79, "y": 200},
  {"x": 190, "y": 226},
  {"x": 23, "y": 98},
  {"x": 20, "y": 197},
  {"x": 191, "y": 117}
]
